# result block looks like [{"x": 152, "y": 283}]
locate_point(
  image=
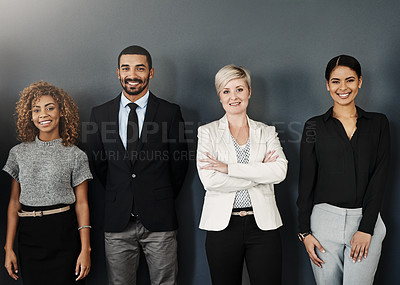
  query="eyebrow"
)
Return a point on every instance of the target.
[
  {"x": 235, "y": 87},
  {"x": 44, "y": 105},
  {"x": 127, "y": 65},
  {"x": 345, "y": 78}
]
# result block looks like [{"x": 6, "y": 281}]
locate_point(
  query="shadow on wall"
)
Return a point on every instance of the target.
[
  {"x": 187, "y": 203},
  {"x": 390, "y": 210},
  {"x": 8, "y": 130},
  {"x": 286, "y": 112}
]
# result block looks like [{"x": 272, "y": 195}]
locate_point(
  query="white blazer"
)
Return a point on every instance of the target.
[{"x": 257, "y": 177}]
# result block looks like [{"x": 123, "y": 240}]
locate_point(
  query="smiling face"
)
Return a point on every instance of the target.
[
  {"x": 46, "y": 117},
  {"x": 235, "y": 96},
  {"x": 343, "y": 85},
  {"x": 134, "y": 74}
]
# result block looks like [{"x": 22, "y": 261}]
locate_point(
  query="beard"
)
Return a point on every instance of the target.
[{"x": 137, "y": 89}]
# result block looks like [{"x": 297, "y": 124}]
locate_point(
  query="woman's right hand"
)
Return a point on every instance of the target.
[
  {"x": 310, "y": 243},
  {"x": 11, "y": 264}
]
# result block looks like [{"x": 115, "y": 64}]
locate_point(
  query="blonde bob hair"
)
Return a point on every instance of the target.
[{"x": 230, "y": 72}]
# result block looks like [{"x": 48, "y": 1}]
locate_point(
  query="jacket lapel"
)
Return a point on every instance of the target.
[
  {"x": 151, "y": 111},
  {"x": 113, "y": 129},
  {"x": 225, "y": 140},
  {"x": 255, "y": 137}
]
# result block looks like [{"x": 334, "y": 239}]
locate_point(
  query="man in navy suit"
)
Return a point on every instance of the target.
[{"x": 138, "y": 153}]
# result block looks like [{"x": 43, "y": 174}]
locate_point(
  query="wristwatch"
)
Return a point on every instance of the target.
[{"x": 301, "y": 236}]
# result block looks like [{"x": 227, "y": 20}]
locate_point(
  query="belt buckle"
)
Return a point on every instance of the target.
[
  {"x": 134, "y": 217},
  {"x": 243, "y": 213},
  {"x": 38, "y": 214}
]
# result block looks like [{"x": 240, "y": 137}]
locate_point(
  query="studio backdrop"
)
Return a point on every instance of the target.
[{"x": 285, "y": 44}]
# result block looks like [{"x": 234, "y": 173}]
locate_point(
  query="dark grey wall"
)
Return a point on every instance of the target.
[{"x": 285, "y": 44}]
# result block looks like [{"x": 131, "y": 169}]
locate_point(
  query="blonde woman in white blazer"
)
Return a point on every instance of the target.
[{"x": 239, "y": 161}]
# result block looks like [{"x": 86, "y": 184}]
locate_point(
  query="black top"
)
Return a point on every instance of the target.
[{"x": 343, "y": 172}]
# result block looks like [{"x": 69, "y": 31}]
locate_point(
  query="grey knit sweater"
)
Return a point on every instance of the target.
[{"x": 47, "y": 171}]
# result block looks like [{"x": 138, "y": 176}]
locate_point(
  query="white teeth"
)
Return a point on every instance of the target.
[
  {"x": 344, "y": 95},
  {"x": 234, "y": 104},
  {"x": 133, "y": 83},
  {"x": 44, "y": 122}
]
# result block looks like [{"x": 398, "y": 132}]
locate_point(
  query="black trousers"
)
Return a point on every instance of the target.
[{"x": 243, "y": 240}]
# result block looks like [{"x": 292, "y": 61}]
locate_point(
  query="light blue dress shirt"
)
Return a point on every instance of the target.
[{"x": 124, "y": 114}]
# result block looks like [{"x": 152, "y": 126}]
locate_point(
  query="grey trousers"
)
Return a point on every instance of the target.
[
  {"x": 122, "y": 253},
  {"x": 334, "y": 227}
]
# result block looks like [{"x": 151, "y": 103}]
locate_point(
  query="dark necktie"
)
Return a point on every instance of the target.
[{"x": 132, "y": 135}]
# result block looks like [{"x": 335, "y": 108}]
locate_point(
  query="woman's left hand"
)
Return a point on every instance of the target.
[
  {"x": 83, "y": 264},
  {"x": 270, "y": 157},
  {"x": 360, "y": 245},
  {"x": 214, "y": 164}
]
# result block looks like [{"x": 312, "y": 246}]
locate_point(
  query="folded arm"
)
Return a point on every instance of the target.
[{"x": 214, "y": 180}]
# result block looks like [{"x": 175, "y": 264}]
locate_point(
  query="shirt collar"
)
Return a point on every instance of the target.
[
  {"x": 328, "y": 114},
  {"x": 141, "y": 102},
  {"x": 360, "y": 112}
]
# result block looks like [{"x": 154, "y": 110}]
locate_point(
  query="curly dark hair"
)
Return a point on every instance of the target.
[{"x": 69, "y": 122}]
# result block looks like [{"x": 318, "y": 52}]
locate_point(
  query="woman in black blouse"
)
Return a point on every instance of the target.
[{"x": 344, "y": 161}]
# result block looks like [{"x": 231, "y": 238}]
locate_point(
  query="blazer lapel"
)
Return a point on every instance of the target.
[
  {"x": 113, "y": 129},
  {"x": 255, "y": 137},
  {"x": 151, "y": 111},
  {"x": 226, "y": 142}
]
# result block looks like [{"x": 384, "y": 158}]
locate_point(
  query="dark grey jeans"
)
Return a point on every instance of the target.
[{"x": 123, "y": 249}]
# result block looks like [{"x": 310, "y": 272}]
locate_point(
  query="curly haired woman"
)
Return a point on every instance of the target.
[{"x": 48, "y": 201}]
